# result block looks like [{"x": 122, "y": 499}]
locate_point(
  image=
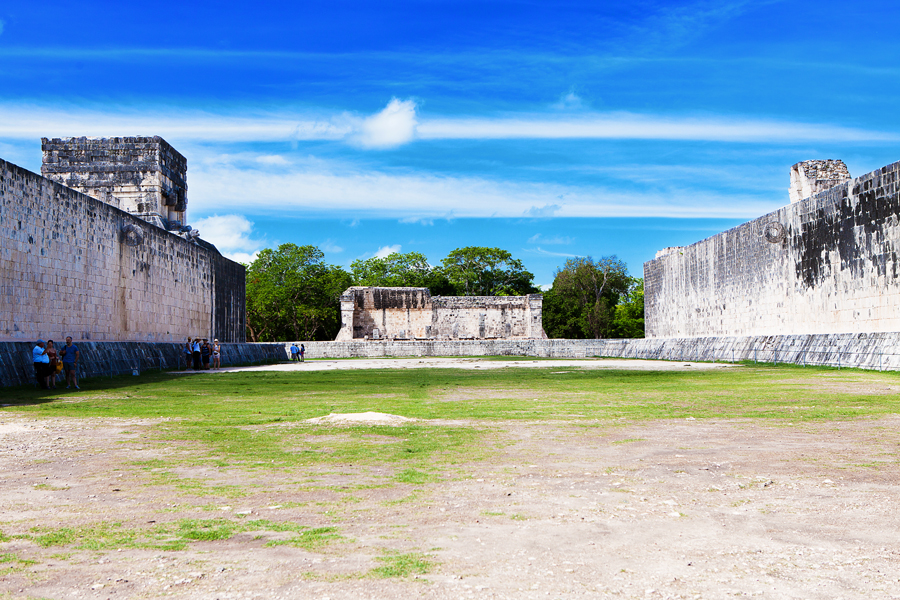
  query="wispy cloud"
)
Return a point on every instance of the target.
[
  {"x": 570, "y": 101},
  {"x": 555, "y": 240},
  {"x": 330, "y": 246},
  {"x": 322, "y": 187},
  {"x": 644, "y": 127},
  {"x": 541, "y": 251},
  {"x": 399, "y": 123}
]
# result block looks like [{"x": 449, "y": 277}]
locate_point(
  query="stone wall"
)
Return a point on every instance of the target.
[
  {"x": 67, "y": 269},
  {"x": 412, "y": 313},
  {"x": 105, "y": 359},
  {"x": 879, "y": 351},
  {"x": 827, "y": 264}
]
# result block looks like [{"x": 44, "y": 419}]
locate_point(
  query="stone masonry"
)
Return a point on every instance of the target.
[
  {"x": 373, "y": 313},
  {"x": 827, "y": 264},
  {"x": 74, "y": 265},
  {"x": 143, "y": 176}
]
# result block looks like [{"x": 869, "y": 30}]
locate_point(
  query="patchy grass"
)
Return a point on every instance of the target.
[
  {"x": 177, "y": 535},
  {"x": 403, "y": 565}
]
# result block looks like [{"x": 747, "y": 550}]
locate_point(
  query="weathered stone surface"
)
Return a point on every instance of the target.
[
  {"x": 101, "y": 359},
  {"x": 68, "y": 268},
  {"x": 144, "y": 176},
  {"x": 411, "y": 313},
  {"x": 827, "y": 264},
  {"x": 813, "y": 176},
  {"x": 879, "y": 351}
]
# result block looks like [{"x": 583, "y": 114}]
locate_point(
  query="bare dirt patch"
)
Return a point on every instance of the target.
[{"x": 673, "y": 509}]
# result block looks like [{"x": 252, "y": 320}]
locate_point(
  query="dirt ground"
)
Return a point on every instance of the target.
[{"x": 669, "y": 509}]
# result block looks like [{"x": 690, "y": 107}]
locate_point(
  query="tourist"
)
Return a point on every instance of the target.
[
  {"x": 295, "y": 352},
  {"x": 217, "y": 355},
  {"x": 54, "y": 360},
  {"x": 41, "y": 363},
  {"x": 70, "y": 356},
  {"x": 205, "y": 352},
  {"x": 302, "y": 352},
  {"x": 188, "y": 354},
  {"x": 195, "y": 351}
]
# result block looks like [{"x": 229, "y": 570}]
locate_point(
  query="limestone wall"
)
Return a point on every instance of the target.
[
  {"x": 827, "y": 264},
  {"x": 66, "y": 270},
  {"x": 412, "y": 313},
  {"x": 879, "y": 351}
]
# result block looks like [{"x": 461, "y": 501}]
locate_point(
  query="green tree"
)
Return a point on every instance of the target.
[
  {"x": 410, "y": 269},
  {"x": 582, "y": 302},
  {"x": 293, "y": 295},
  {"x": 480, "y": 271},
  {"x": 629, "y": 318}
]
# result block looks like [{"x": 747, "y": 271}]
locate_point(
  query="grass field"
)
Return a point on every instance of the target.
[{"x": 242, "y": 438}]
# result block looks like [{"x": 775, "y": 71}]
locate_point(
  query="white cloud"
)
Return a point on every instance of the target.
[
  {"x": 541, "y": 251},
  {"x": 548, "y": 210},
  {"x": 417, "y": 220},
  {"x": 393, "y": 126},
  {"x": 570, "y": 101},
  {"x": 386, "y": 251},
  {"x": 641, "y": 127},
  {"x": 273, "y": 159},
  {"x": 556, "y": 240},
  {"x": 398, "y": 123},
  {"x": 231, "y": 234},
  {"x": 329, "y": 246},
  {"x": 318, "y": 187},
  {"x": 241, "y": 257}
]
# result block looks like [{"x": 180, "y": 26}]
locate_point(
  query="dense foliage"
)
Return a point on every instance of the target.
[
  {"x": 480, "y": 271},
  {"x": 293, "y": 295},
  {"x": 594, "y": 299},
  {"x": 409, "y": 269}
]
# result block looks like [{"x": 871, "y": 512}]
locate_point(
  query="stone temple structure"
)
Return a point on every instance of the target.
[
  {"x": 97, "y": 248},
  {"x": 828, "y": 263},
  {"x": 383, "y": 313}
]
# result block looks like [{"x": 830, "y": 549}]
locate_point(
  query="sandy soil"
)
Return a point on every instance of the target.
[{"x": 684, "y": 509}]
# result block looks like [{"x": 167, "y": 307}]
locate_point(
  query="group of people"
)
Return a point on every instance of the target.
[
  {"x": 50, "y": 361},
  {"x": 198, "y": 352},
  {"x": 298, "y": 353}
]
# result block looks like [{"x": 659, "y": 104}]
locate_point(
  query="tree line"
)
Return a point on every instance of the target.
[{"x": 292, "y": 294}]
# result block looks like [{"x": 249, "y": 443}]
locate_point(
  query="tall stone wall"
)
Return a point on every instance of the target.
[
  {"x": 412, "y": 313},
  {"x": 68, "y": 268},
  {"x": 827, "y": 264}
]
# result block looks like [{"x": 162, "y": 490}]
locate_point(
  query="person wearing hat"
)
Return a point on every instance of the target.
[
  {"x": 41, "y": 364},
  {"x": 217, "y": 354},
  {"x": 195, "y": 347}
]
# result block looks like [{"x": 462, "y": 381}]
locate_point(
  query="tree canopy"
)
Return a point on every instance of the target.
[
  {"x": 582, "y": 302},
  {"x": 293, "y": 295},
  {"x": 409, "y": 269},
  {"x": 481, "y": 271}
]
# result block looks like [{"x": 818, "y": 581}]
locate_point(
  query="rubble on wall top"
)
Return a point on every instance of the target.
[{"x": 829, "y": 169}]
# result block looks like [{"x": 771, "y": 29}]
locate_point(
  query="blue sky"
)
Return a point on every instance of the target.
[{"x": 549, "y": 129}]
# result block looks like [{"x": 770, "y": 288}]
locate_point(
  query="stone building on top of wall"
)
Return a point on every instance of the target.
[
  {"x": 144, "y": 176},
  {"x": 397, "y": 313},
  {"x": 828, "y": 262}
]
